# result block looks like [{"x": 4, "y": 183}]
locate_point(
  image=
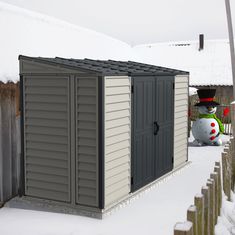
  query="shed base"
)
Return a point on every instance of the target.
[{"x": 39, "y": 204}]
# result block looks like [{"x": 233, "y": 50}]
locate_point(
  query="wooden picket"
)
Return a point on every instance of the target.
[{"x": 203, "y": 215}]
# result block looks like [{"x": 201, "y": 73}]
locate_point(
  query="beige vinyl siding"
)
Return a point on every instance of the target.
[
  {"x": 47, "y": 137},
  {"x": 117, "y": 137},
  {"x": 86, "y": 139},
  {"x": 181, "y": 120}
]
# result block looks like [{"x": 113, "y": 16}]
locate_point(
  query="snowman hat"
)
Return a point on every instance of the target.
[{"x": 206, "y": 97}]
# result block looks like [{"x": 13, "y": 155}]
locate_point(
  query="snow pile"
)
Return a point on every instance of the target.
[
  {"x": 210, "y": 66},
  {"x": 226, "y": 221},
  {"x": 28, "y": 33},
  {"x": 192, "y": 91},
  {"x": 185, "y": 226}
]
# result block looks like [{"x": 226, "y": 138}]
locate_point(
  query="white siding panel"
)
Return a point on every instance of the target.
[
  {"x": 181, "y": 120},
  {"x": 117, "y": 134},
  {"x": 117, "y": 130}
]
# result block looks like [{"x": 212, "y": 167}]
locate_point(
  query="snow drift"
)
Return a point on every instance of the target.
[{"x": 29, "y": 33}]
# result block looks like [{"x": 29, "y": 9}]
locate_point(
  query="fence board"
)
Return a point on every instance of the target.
[
  {"x": 205, "y": 193},
  {"x": 8, "y": 144},
  {"x": 211, "y": 211},
  {"x": 192, "y": 217},
  {"x": 199, "y": 203}
]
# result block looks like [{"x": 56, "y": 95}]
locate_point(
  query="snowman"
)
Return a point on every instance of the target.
[{"x": 207, "y": 128}]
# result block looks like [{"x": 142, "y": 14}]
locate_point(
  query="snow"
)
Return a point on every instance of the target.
[
  {"x": 210, "y": 66},
  {"x": 185, "y": 226},
  {"x": 192, "y": 91},
  {"x": 226, "y": 221},
  {"x": 33, "y": 34},
  {"x": 156, "y": 211}
]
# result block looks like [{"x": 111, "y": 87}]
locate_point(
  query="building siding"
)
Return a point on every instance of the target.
[
  {"x": 181, "y": 120},
  {"x": 117, "y": 137},
  {"x": 47, "y": 137},
  {"x": 87, "y": 141}
]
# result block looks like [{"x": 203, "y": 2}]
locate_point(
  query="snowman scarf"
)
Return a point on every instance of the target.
[{"x": 221, "y": 127}]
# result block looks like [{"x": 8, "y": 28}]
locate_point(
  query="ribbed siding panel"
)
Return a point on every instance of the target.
[
  {"x": 47, "y": 154},
  {"x": 86, "y": 141},
  {"x": 181, "y": 120},
  {"x": 117, "y": 138}
]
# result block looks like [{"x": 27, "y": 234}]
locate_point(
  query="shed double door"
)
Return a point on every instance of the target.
[{"x": 152, "y": 128}]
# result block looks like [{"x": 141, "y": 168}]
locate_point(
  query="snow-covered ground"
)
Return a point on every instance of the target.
[
  {"x": 226, "y": 221},
  {"x": 154, "y": 212}
]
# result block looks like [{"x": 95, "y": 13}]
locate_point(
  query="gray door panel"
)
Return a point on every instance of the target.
[
  {"x": 152, "y": 129},
  {"x": 143, "y": 109},
  {"x": 164, "y": 115}
]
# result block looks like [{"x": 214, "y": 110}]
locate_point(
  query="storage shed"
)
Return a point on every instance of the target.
[{"x": 95, "y": 132}]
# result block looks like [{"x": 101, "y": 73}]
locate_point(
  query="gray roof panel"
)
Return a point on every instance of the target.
[{"x": 110, "y": 67}]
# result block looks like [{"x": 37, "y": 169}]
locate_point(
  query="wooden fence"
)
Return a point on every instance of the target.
[
  {"x": 202, "y": 216},
  {"x": 9, "y": 126}
]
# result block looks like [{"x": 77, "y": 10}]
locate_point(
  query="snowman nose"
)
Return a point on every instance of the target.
[{"x": 209, "y": 108}]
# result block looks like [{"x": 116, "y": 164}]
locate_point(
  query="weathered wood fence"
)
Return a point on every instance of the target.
[
  {"x": 9, "y": 157},
  {"x": 202, "y": 216}
]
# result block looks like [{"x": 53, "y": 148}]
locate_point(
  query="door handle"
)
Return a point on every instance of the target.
[{"x": 156, "y": 128}]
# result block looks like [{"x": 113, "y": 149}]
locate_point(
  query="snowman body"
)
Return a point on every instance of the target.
[{"x": 206, "y": 131}]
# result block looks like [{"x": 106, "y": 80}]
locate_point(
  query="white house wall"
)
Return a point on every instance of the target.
[
  {"x": 181, "y": 120},
  {"x": 117, "y": 138}
]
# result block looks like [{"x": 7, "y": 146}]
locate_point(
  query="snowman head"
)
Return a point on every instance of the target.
[{"x": 207, "y": 109}]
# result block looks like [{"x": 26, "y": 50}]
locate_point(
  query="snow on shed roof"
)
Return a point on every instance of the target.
[
  {"x": 210, "y": 66},
  {"x": 26, "y": 32}
]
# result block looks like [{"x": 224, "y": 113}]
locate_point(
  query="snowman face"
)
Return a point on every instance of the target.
[{"x": 207, "y": 109}]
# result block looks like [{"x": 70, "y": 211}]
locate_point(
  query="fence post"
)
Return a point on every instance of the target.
[
  {"x": 192, "y": 217},
  {"x": 205, "y": 192},
  {"x": 211, "y": 207},
  {"x": 213, "y": 200},
  {"x": 218, "y": 171},
  {"x": 185, "y": 228},
  {"x": 199, "y": 203},
  {"x": 226, "y": 181},
  {"x": 214, "y": 176},
  {"x": 232, "y": 162}
]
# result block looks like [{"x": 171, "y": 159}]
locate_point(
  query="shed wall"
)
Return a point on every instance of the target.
[
  {"x": 47, "y": 137},
  {"x": 181, "y": 120},
  {"x": 117, "y": 137},
  {"x": 87, "y": 141}
]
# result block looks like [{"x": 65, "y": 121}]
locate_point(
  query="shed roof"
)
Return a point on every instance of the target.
[{"x": 108, "y": 67}]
